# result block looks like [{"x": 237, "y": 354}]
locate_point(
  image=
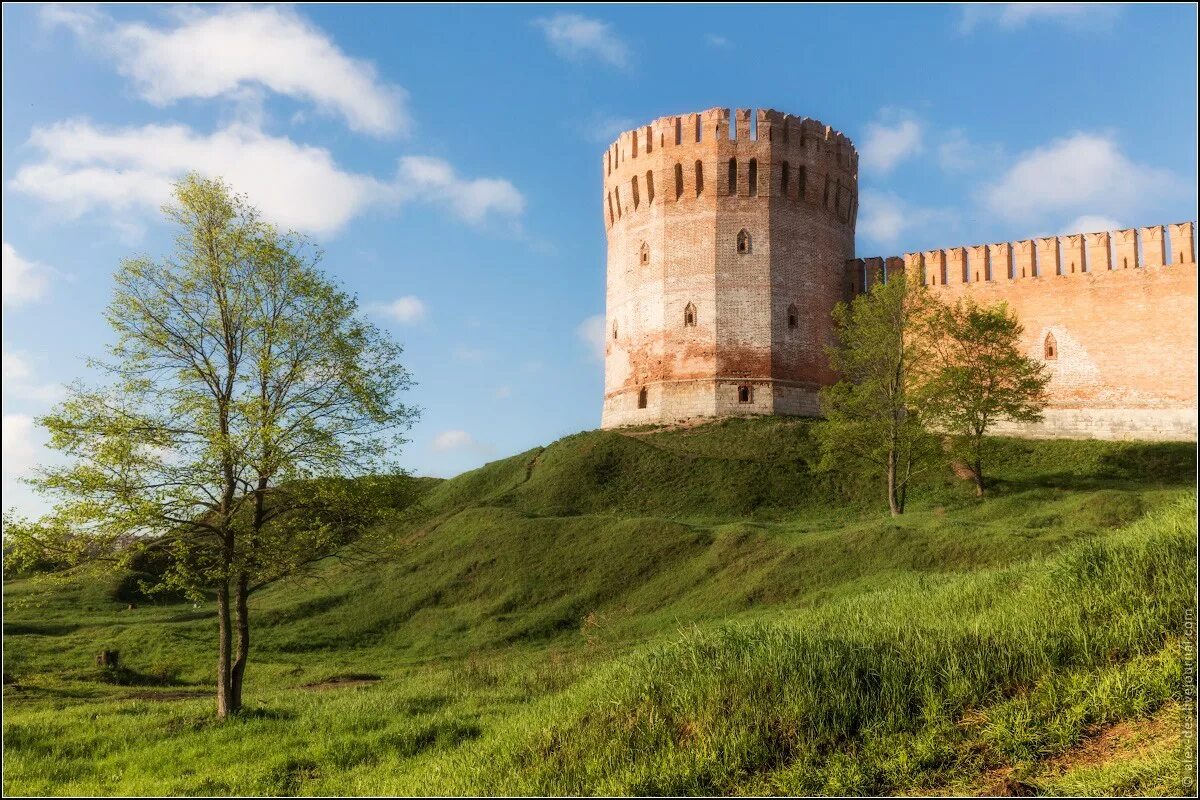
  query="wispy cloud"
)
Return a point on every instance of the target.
[
  {"x": 1010, "y": 16},
  {"x": 473, "y": 200},
  {"x": 591, "y": 333},
  {"x": 84, "y": 167},
  {"x": 885, "y": 219},
  {"x": 896, "y": 136},
  {"x": 223, "y": 52},
  {"x": 713, "y": 40},
  {"x": 469, "y": 355},
  {"x": 406, "y": 310},
  {"x": 579, "y": 38},
  {"x": 1085, "y": 173},
  {"x": 957, "y": 153},
  {"x": 24, "y": 281},
  {"x": 21, "y": 446},
  {"x": 20, "y": 382},
  {"x": 604, "y": 128},
  {"x": 459, "y": 440},
  {"x": 1091, "y": 223}
]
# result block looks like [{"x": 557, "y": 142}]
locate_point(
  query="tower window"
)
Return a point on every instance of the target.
[
  {"x": 637, "y": 199},
  {"x": 649, "y": 186},
  {"x": 801, "y": 180},
  {"x": 678, "y": 181},
  {"x": 699, "y": 178},
  {"x": 793, "y": 318},
  {"x": 743, "y": 242},
  {"x": 783, "y": 178},
  {"x": 745, "y": 394},
  {"x": 733, "y": 176},
  {"x": 753, "y": 177},
  {"x": 1051, "y": 347},
  {"x": 644, "y": 255},
  {"x": 689, "y": 316},
  {"x": 642, "y": 397},
  {"x": 614, "y": 330}
]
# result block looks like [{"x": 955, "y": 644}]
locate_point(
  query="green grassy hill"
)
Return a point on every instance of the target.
[{"x": 661, "y": 612}]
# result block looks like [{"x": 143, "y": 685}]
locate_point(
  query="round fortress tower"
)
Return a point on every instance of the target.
[{"x": 727, "y": 251}]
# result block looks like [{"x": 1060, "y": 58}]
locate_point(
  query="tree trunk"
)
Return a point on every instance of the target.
[
  {"x": 894, "y": 504},
  {"x": 225, "y": 634},
  {"x": 243, "y": 643},
  {"x": 977, "y": 468}
]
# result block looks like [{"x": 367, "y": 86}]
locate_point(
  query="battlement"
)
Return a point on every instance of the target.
[
  {"x": 730, "y": 242},
  {"x": 720, "y": 153},
  {"x": 1068, "y": 256}
]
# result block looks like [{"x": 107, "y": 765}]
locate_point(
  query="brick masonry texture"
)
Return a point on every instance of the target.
[{"x": 730, "y": 243}]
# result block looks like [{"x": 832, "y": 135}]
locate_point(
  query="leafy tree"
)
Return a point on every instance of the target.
[
  {"x": 980, "y": 376},
  {"x": 872, "y": 422},
  {"x": 245, "y": 392}
]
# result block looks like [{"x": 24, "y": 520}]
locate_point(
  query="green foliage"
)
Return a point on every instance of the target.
[
  {"x": 979, "y": 376},
  {"x": 245, "y": 393},
  {"x": 532, "y": 635},
  {"x": 872, "y": 414}
]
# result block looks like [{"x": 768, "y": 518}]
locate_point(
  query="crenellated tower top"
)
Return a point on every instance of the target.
[{"x": 782, "y": 155}]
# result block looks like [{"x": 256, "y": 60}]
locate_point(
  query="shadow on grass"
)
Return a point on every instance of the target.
[{"x": 39, "y": 628}]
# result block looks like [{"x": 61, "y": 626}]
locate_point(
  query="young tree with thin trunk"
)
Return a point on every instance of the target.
[
  {"x": 980, "y": 376},
  {"x": 872, "y": 421},
  {"x": 246, "y": 394}
]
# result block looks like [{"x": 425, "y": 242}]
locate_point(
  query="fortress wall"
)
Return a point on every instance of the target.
[
  {"x": 1115, "y": 327},
  {"x": 799, "y": 213}
]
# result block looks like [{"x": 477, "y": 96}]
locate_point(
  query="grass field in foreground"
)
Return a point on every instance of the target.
[{"x": 671, "y": 612}]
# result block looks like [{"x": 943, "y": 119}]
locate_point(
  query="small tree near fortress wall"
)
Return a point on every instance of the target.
[
  {"x": 980, "y": 376},
  {"x": 245, "y": 392},
  {"x": 872, "y": 415}
]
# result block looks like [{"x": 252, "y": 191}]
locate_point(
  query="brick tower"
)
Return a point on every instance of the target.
[{"x": 727, "y": 250}]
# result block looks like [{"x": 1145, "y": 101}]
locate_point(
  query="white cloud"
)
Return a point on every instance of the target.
[
  {"x": 471, "y": 355},
  {"x": 503, "y": 392},
  {"x": 19, "y": 382},
  {"x": 406, "y": 310},
  {"x": 20, "y": 445},
  {"x": 456, "y": 439},
  {"x": 1091, "y": 223},
  {"x": 577, "y": 37},
  {"x": 591, "y": 332},
  {"x": 714, "y": 40},
  {"x": 888, "y": 142},
  {"x": 1083, "y": 173},
  {"x": 602, "y": 128},
  {"x": 884, "y": 218},
  {"x": 224, "y": 52},
  {"x": 1010, "y": 16},
  {"x": 957, "y": 153},
  {"x": 15, "y": 368},
  {"x": 472, "y": 200},
  {"x": 23, "y": 280},
  {"x": 86, "y": 167}
]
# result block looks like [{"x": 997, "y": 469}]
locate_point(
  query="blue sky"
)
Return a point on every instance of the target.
[{"x": 448, "y": 160}]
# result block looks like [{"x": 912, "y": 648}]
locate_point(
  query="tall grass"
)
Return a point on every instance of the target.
[
  {"x": 669, "y": 612},
  {"x": 703, "y": 713}
]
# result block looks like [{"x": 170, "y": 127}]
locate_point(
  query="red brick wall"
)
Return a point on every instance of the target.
[
  {"x": 1125, "y": 365},
  {"x": 798, "y": 247}
]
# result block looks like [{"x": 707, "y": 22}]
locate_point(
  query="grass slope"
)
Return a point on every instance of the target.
[{"x": 690, "y": 611}]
